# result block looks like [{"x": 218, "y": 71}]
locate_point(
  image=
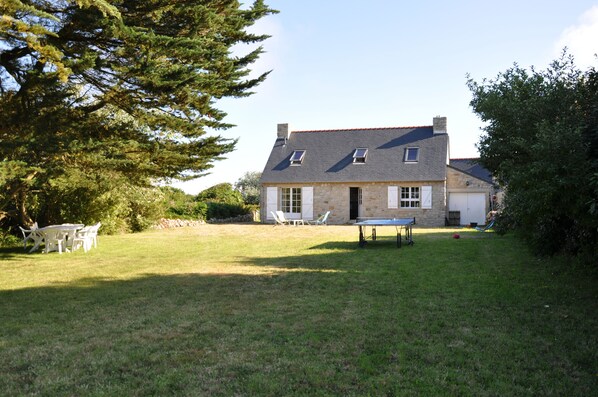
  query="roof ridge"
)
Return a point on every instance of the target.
[
  {"x": 465, "y": 158},
  {"x": 366, "y": 129}
]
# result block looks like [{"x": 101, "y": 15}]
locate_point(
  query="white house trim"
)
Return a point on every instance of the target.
[
  {"x": 307, "y": 203},
  {"x": 271, "y": 201},
  {"x": 393, "y": 197},
  {"x": 426, "y": 197}
]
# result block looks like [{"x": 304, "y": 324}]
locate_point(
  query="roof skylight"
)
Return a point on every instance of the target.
[
  {"x": 360, "y": 155},
  {"x": 411, "y": 155},
  {"x": 297, "y": 157}
]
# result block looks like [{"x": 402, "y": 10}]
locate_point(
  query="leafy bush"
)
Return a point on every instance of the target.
[
  {"x": 123, "y": 209},
  {"x": 200, "y": 210},
  {"x": 9, "y": 240},
  {"x": 180, "y": 205},
  {"x": 224, "y": 210},
  {"x": 116, "y": 203},
  {"x": 221, "y": 193},
  {"x": 220, "y": 202},
  {"x": 541, "y": 143},
  {"x": 145, "y": 207}
]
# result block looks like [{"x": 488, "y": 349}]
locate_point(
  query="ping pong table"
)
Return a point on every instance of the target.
[{"x": 401, "y": 225}]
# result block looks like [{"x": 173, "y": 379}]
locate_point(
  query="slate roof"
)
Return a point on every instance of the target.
[
  {"x": 472, "y": 167},
  {"x": 329, "y": 156}
]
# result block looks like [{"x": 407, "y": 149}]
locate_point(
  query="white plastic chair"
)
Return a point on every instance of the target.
[
  {"x": 86, "y": 238},
  {"x": 33, "y": 235},
  {"x": 93, "y": 234},
  {"x": 83, "y": 238}
]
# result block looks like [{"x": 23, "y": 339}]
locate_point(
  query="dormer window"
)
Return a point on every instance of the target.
[
  {"x": 297, "y": 157},
  {"x": 411, "y": 155},
  {"x": 360, "y": 155}
]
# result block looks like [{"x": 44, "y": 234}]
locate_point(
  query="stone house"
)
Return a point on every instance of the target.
[{"x": 374, "y": 172}]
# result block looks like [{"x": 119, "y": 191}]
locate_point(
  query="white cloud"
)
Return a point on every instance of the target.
[{"x": 581, "y": 39}]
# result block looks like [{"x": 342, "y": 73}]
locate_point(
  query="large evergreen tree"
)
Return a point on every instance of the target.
[
  {"x": 541, "y": 142},
  {"x": 94, "y": 92}
]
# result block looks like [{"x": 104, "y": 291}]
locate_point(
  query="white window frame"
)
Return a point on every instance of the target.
[
  {"x": 410, "y": 197},
  {"x": 290, "y": 200}
]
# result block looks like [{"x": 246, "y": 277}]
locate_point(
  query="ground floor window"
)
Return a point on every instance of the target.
[
  {"x": 291, "y": 200},
  {"x": 410, "y": 197}
]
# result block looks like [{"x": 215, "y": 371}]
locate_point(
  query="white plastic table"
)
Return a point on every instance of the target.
[{"x": 57, "y": 237}]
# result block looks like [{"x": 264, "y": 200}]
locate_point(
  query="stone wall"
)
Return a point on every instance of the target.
[
  {"x": 172, "y": 223},
  {"x": 460, "y": 181},
  {"x": 334, "y": 197},
  {"x": 252, "y": 217}
]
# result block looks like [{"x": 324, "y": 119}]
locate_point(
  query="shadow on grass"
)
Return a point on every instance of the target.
[
  {"x": 383, "y": 243},
  {"x": 13, "y": 252},
  {"x": 375, "y": 321},
  {"x": 189, "y": 334}
]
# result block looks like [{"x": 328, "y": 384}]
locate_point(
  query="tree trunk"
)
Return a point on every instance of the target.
[{"x": 23, "y": 216}]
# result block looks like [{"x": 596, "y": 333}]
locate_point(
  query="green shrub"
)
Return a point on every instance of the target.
[
  {"x": 145, "y": 207},
  {"x": 9, "y": 240},
  {"x": 224, "y": 210},
  {"x": 200, "y": 210},
  {"x": 180, "y": 205},
  {"x": 221, "y": 193}
]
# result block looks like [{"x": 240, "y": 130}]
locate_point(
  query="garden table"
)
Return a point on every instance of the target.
[{"x": 57, "y": 237}]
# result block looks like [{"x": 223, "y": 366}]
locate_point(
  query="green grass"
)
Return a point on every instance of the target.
[{"x": 223, "y": 310}]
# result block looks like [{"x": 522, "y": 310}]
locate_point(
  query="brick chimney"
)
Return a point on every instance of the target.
[
  {"x": 283, "y": 131},
  {"x": 439, "y": 125}
]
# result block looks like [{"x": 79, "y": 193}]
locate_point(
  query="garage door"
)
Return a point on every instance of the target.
[{"x": 471, "y": 205}]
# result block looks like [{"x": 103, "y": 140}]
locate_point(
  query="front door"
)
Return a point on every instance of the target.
[{"x": 354, "y": 202}]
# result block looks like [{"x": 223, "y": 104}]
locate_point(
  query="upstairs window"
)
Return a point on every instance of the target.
[
  {"x": 411, "y": 155},
  {"x": 360, "y": 155},
  {"x": 297, "y": 157}
]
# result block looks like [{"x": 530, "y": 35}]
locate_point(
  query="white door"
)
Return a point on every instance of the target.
[{"x": 471, "y": 205}]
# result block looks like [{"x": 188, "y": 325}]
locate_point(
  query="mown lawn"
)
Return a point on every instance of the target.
[{"x": 248, "y": 310}]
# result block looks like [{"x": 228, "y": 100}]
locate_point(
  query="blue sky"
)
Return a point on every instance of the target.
[{"x": 391, "y": 63}]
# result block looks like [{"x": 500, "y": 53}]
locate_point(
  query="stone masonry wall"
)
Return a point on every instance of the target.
[
  {"x": 457, "y": 180},
  {"x": 334, "y": 197}
]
